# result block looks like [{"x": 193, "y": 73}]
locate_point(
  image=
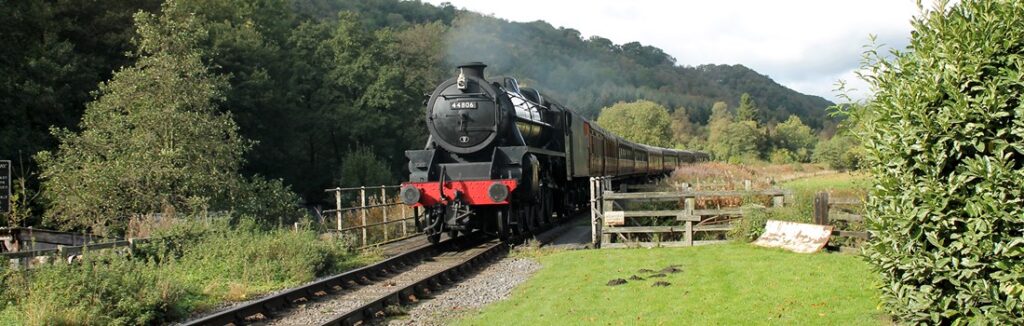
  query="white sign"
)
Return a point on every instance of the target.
[
  {"x": 5, "y": 186},
  {"x": 795, "y": 237}
]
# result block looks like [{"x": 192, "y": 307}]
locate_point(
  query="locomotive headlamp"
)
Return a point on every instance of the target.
[
  {"x": 410, "y": 195},
  {"x": 498, "y": 191}
]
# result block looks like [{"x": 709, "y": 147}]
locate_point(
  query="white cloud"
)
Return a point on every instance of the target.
[{"x": 806, "y": 45}]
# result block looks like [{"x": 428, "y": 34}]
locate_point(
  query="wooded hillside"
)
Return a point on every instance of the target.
[{"x": 316, "y": 82}]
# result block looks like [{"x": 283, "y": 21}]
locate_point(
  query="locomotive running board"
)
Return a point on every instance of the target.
[{"x": 547, "y": 152}]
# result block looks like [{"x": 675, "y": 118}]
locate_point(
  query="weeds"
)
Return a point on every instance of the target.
[{"x": 191, "y": 267}]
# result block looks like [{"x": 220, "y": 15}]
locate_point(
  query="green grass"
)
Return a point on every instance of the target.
[
  {"x": 734, "y": 284},
  {"x": 838, "y": 182}
]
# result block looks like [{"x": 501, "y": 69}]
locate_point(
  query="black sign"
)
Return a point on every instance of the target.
[{"x": 5, "y": 186}]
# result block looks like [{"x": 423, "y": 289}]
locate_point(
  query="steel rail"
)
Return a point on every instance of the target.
[
  {"x": 360, "y": 276},
  {"x": 492, "y": 250}
]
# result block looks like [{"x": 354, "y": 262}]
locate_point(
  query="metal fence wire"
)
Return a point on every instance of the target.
[{"x": 373, "y": 215}]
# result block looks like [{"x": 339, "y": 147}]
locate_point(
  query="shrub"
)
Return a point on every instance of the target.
[
  {"x": 270, "y": 201},
  {"x": 943, "y": 140},
  {"x": 782, "y": 156},
  {"x": 841, "y": 153}
]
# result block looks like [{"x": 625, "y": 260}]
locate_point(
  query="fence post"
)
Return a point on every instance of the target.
[
  {"x": 337, "y": 207},
  {"x": 362, "y": 203},
  {"x": 384, "y": 210},
  {"x": 688, "y": 236},
  {"x": 689, "y": 204},
  {"x": 821, "y": 208},
  {"x": 595, "y": 237},
  {"x": 405, "y": 231},
  {"x": 606, "y": 205},
  {"x": 746, "y": 185},
  {"x": 778, "y": 200}
]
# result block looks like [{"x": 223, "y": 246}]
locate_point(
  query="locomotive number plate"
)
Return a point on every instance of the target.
[{"x": 462, "y": 105}]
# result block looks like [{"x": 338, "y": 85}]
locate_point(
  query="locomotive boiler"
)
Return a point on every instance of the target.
[{"x": 505, "y": 159}]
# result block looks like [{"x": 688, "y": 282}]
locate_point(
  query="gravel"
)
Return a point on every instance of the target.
[{"x": 494, "y": 283}]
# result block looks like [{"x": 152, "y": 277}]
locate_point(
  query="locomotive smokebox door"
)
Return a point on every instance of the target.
[{"x": 463, "y": 113}]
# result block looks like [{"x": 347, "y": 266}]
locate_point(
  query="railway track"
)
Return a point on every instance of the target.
[{"x": 360, "y": 295}]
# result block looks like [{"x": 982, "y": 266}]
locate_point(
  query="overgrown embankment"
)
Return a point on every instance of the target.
[{"x": 190, "y": 268}]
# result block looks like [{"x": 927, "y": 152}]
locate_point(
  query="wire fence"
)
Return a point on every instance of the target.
[{"x": 370, "y": 216}]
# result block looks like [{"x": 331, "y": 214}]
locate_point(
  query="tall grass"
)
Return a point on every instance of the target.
[
  {"x": 800, "y": 205},
  {"x": 192, "y": 267}
]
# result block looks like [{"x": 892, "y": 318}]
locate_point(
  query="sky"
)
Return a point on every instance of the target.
[{"x": 806, "y": 45}]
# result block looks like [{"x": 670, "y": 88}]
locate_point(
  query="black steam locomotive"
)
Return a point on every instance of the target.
[{"x": 505, "y": 159}]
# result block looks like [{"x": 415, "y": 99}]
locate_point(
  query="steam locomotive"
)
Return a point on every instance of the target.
[{"x": 504, "y": 159}]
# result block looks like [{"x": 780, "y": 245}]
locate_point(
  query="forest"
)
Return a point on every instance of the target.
[{"x": 303, "y": 90}]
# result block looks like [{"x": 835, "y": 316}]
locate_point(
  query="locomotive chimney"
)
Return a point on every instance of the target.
[{"x": 472, "y": 69}]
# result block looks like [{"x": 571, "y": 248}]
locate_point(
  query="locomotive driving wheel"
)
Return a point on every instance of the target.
[
  {"x": 434, "y": 218},
  {"x": 501, "y": 223}
]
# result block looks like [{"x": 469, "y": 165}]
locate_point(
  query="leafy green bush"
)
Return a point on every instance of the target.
[
  {"x": 751, "y": 226},
  {"x": 782, "y": 156},
  {"x": 943, "y": 138},
  {"x": 270, "y": 201}
]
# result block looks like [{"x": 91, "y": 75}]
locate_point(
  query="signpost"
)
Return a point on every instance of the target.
[{"x": 5, "y": 186}]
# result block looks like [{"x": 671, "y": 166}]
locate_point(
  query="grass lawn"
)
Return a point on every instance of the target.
[{"x": 733, "y": 284}]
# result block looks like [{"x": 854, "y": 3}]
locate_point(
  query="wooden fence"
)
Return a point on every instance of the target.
[
  {"x": 373, "y": 219},
  {"x": 611, "y": 212},
  {"x": 23, "y": 247},
  {"x": 829, "y": 210}
]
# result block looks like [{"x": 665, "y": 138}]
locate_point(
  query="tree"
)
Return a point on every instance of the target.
[
  {"x": 841, "y": 152},
  {"x": 363, "y": 168},
  {"x": 643, "y": 122},
  {"x": 683, "y": 130},
  {"x": 943, "y": 138},
  {"x": 732, "y": 140},
  {"x": 154, "y": 138},
  {"x": 720, "y": 112},
  {"x": 795, "y": 137},
  {"x": 747, "y": 109}
]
